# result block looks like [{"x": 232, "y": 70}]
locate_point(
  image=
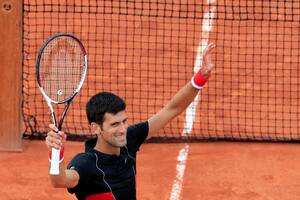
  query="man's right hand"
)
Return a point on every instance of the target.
[{"x": 55, "y": 139}]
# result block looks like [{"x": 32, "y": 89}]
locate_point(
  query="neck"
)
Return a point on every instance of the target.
[{"x": 106, "y": 148}]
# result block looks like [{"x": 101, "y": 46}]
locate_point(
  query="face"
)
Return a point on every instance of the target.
[{"x": 114, "y": 129}]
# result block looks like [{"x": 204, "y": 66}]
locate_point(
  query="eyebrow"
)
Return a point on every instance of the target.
[{"x": 116, "y": 122}]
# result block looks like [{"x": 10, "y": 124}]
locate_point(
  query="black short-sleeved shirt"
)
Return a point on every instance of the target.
[{"x": 109, "y": 177}]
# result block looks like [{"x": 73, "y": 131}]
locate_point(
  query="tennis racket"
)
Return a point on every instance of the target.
[{"x": 60, "y": 72}]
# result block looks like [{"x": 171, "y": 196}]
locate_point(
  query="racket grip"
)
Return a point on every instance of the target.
[{"x": 54, "y": 164}]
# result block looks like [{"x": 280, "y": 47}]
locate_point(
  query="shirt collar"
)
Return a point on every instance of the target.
[{"x": 106, "y": 158}]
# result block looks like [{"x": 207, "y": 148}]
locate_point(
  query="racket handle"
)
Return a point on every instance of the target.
[{"x": 54, "y": 164}]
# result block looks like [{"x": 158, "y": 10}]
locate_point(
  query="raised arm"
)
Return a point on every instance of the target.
[
  {"x": 66, "y": 178},
  {"x": 185, "y": 95}
]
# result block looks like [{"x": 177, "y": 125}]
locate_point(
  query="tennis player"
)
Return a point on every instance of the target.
[{"x": 107, "y": 168}]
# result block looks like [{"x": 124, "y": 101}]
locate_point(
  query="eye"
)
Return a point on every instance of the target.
[{"x": 115, "y": 124}]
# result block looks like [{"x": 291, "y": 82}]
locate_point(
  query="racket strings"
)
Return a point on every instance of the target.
[{"x": 61, "y": 68}]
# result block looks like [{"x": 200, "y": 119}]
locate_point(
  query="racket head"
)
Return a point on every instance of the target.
[{"x": 61, "y": 67}]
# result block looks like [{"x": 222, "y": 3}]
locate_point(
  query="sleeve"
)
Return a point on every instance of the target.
[
  {"x": 81, "y": 163},
  {"x": 136, "y": 135}
]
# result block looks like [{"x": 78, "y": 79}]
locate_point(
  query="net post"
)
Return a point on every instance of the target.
[{"x": 11, "y": 75}]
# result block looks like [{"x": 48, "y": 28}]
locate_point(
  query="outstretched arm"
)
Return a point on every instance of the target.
[
  {"x": 66, "y": 178},
  {"x": 185, "y": 95}
]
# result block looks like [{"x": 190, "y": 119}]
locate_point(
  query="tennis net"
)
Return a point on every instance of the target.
[{"x": 145, "y": 51}]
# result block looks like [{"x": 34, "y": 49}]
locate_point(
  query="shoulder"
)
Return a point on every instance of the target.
[
  {"x": 83, "y": 164},
  {"x": 81, "y": 159},
  {"x": 139, "y": 127},
  {"x": 136, "y": 135},
  {"x": 84, "y": 156}
]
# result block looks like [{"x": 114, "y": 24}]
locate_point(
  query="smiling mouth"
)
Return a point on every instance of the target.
[{"x": 120, "y": 136}]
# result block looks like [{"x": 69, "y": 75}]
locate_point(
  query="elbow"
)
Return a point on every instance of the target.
[{"x": 56, "y": 183}]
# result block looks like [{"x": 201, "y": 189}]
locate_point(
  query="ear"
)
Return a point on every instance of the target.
[{"x": 96, "y": 128}]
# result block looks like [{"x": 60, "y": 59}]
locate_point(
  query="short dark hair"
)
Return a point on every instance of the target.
[{"x": 101, "y": 103}]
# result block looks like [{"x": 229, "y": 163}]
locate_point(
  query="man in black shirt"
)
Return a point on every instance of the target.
[{"x": 106, "y": 170}]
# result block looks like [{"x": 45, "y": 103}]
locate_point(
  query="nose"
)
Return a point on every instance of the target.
[{"x": 123, "y": 128}]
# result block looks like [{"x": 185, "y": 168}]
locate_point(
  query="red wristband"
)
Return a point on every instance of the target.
[
  {"x": 198, "y": 81},
  {"x": 61, "y": 155}
]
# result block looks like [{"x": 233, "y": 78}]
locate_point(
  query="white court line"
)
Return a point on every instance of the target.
[
  {"x": 180, "y": 168},
  {"x": 207, "y": 26}
]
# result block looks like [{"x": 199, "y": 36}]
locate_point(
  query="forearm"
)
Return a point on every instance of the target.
[
  {"x": 174, "y": 107},
  {"x": 182, "y": 98},
  {"x": 60, "y": 180}
]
